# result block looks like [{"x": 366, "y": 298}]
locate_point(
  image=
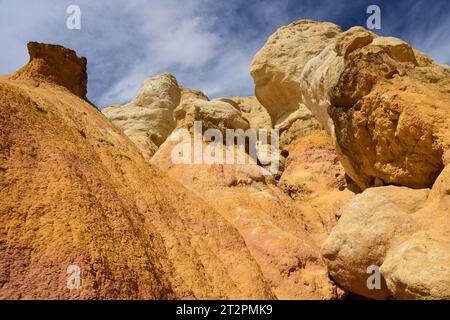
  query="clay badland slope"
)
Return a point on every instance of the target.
[{"x": 76, "y": 191}]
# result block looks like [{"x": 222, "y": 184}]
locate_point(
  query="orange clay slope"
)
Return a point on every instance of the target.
[{"x": 74, "y": 190}]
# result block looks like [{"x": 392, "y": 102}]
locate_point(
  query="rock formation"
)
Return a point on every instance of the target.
[
  {"x": 55, "y": 65},
  {"x": 281, "y": 234},
  {"x": 147, "y": 120},
  {"x": 76, "y": 191},
  {"x": 213, "y": 114},
  {"x": 187, "y": 93},
  {"x": 251, "y": 110},
  {"x": 402, "y": 231},
  {"x": 369, "y": 92},
  {"x": 277, "y": 67},
  {"x": 92, "y": 200},
  {"x": 386, "y": 107},
  {"x": 315, "y": 180},
  {"x": 148, "y": 209},
  {"x": 394, "y": 104}
]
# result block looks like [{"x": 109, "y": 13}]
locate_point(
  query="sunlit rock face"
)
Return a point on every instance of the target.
[
  {"x": 341, "y": 177},
  {"x": 77, "y": 194},
  {"x": 386, "y": 107},
  {"x": 147, "y": 120}
]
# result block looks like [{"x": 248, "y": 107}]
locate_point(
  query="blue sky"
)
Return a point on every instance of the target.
[{"x": 206, "y": 44}]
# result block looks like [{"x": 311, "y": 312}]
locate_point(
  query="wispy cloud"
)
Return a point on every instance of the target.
[{"x": 207, "y": 44}]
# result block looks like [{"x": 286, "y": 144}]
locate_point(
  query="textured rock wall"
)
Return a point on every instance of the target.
[
  {"x": 356, "y": 112},
  {"x": 55, "y": 65},
  {"x": 76, "y": 191},
  {"x": 386, "y": 107},
  {"x": 384, "y": 103}
]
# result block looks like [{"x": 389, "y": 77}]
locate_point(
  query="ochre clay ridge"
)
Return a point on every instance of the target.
[{"x": 363, "y": 181}]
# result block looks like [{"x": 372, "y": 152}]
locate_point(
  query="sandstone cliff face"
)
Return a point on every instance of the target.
[
  {"x": 386, "y": 108},
  {"x": 134, "y": 232},
  {"x": 389, "y": 112},
  {"x": 383, "y": 102},
  {"x": 76, "y": 191},
  {"x": 316, "y": 181},
  {"x": 265, "y": 215}
]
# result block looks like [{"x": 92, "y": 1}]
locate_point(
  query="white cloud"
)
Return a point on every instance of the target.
[
  {"x": 188, "y": 43},
  {"x": 206, "y": 44},
  {"x": 20, "y": 22}
]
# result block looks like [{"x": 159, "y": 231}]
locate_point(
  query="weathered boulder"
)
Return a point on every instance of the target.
[
  {"x": 369, "y": 225},
  {"x": 389, "y": 112},
  {"x": 251, "y": 110},
  {"x": 419, "y": 269},
  {"x": 214, "y": 114},
  {"x": 384, "y": 103},
  {"x": 402, "y": 231}
]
